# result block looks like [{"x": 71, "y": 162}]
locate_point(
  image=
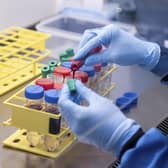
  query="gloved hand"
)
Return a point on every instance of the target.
[
  {"x": 121, "y": 48},
  {"x": 100, "y": 123}
]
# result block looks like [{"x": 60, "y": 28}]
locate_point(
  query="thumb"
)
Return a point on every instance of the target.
[{"x": 98, "y": 58}]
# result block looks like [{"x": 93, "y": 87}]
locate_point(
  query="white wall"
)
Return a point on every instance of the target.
[{"x": 24, "y": 12}]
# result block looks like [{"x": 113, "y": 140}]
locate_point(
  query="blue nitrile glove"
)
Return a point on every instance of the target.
[
  {"x": 121, "y": 48},
  {"x": 100, "y": 123}
]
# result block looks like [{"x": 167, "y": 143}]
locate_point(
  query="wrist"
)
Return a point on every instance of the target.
[
  {"x": 152, "y": 56},
  {"x": 121, "y": 135}
]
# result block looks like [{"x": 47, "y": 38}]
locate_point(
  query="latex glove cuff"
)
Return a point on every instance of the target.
[{"x": 152, "y": 57}]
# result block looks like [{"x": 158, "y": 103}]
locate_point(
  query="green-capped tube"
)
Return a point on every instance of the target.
[
  {"x": 45, "y": 70},
  {"x": 71, "y": 85},
  {"x": 52, "y": 63},
  {"x": 70, "y": 52}
]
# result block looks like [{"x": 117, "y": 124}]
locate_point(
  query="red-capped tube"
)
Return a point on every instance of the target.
[
  {"x": 82, "y": 76},
  {"x": 46, "y": 83},
  {"x": 62, "y": 71}
]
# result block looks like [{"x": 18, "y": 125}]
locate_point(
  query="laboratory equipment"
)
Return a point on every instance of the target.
[
  {"x": 20, "y": 51},
  {"x": 46, "y": 83},
  {"x": 123, "y": 103},
  {"x": 70, "y": 52},
  {"x": 45, "y": 70},
  {"x": 34, "y": 95},
  {"x": 132, "y": 96},
  {"x": 71, "y": 86},
  {"x": 80, "y": 75},
  {"x": 61, "y": 74},
  {"x": 91, "y": 73},
  {"x": 51, "y": 99}
]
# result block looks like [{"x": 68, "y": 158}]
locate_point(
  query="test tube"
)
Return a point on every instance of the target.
[
  {"x": 91, "y": 72},
  {"x": 45, "y": 70},
  {"x": 51, "y": 99},
  {"x": 82, "y": 76},
  {"x": 34, "y": 95},
  {"x": 97, "y": 68},
  {"x": 62, "y": 73},
  {"x": 58, "y": 77}
]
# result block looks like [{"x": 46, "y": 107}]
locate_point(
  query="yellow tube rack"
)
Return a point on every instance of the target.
[
  {"x": 33, "y": 120},
  {"x": 20, "y": 51}
]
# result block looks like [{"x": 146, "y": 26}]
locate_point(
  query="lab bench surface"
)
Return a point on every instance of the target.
[{"x": 152, "y": 106}]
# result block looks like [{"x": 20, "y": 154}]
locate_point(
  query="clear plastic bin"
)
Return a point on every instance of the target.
[{"x": 68, "y": 28}]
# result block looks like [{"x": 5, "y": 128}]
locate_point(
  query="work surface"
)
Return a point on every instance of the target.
[{"x": 152, "y": 106}]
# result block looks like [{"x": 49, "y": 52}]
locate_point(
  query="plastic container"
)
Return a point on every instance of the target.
[
  {"x": 62, "y": 74},
  {"x": 67, "y": 28},
  {"x": 34, "y": 95},
  {"x": 123, "y": 103},
  {"x": 82, "y": 76},
  {"x": 132, "y": 96},
  {"x": 91, "y": 73},
  {"x": 46, "y": 83}
]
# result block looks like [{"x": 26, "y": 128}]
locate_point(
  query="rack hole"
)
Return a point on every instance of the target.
[
  {"x": 5, "y": 84},
  {"x": 24, "y": 133},
  {"x": 2, "y": 60},
  {"x": 29, "y": 49},
  {"x": 23, "y": 75},
  {"x": 2, "y": 45},
  {"x": 16, "y": 140},
  {"x": 10, "y": 40},
  {"x": 14, "y": 80},
  {"x": 21, "y": 53}
]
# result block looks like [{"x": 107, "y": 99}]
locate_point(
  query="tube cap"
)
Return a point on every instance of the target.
[
  {"x": 70, "y": 52},
  {"x": 52, "y": 96},
  {"x": 62, "y": 71},
  {"x": 34, "y": 92},
  {"x": 52, "y": 63},
  {"x": 123, "y": 103},
  {"x": 132, "y": 96},
  {"x": 46, "y": 83},
  {"x": 45, "y": 70}
]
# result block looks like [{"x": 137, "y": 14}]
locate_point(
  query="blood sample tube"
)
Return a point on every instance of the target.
[
  {"x": 51, "y": 99},
  {"x": 64, "y": 72},
  {"x": 82, "y": 76},
  {"x": 58, "y": 77},
  {"x": 91, "y": 72},
  {"x": 34, "y": 95},
  {"x": 46, "y": 83}
]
